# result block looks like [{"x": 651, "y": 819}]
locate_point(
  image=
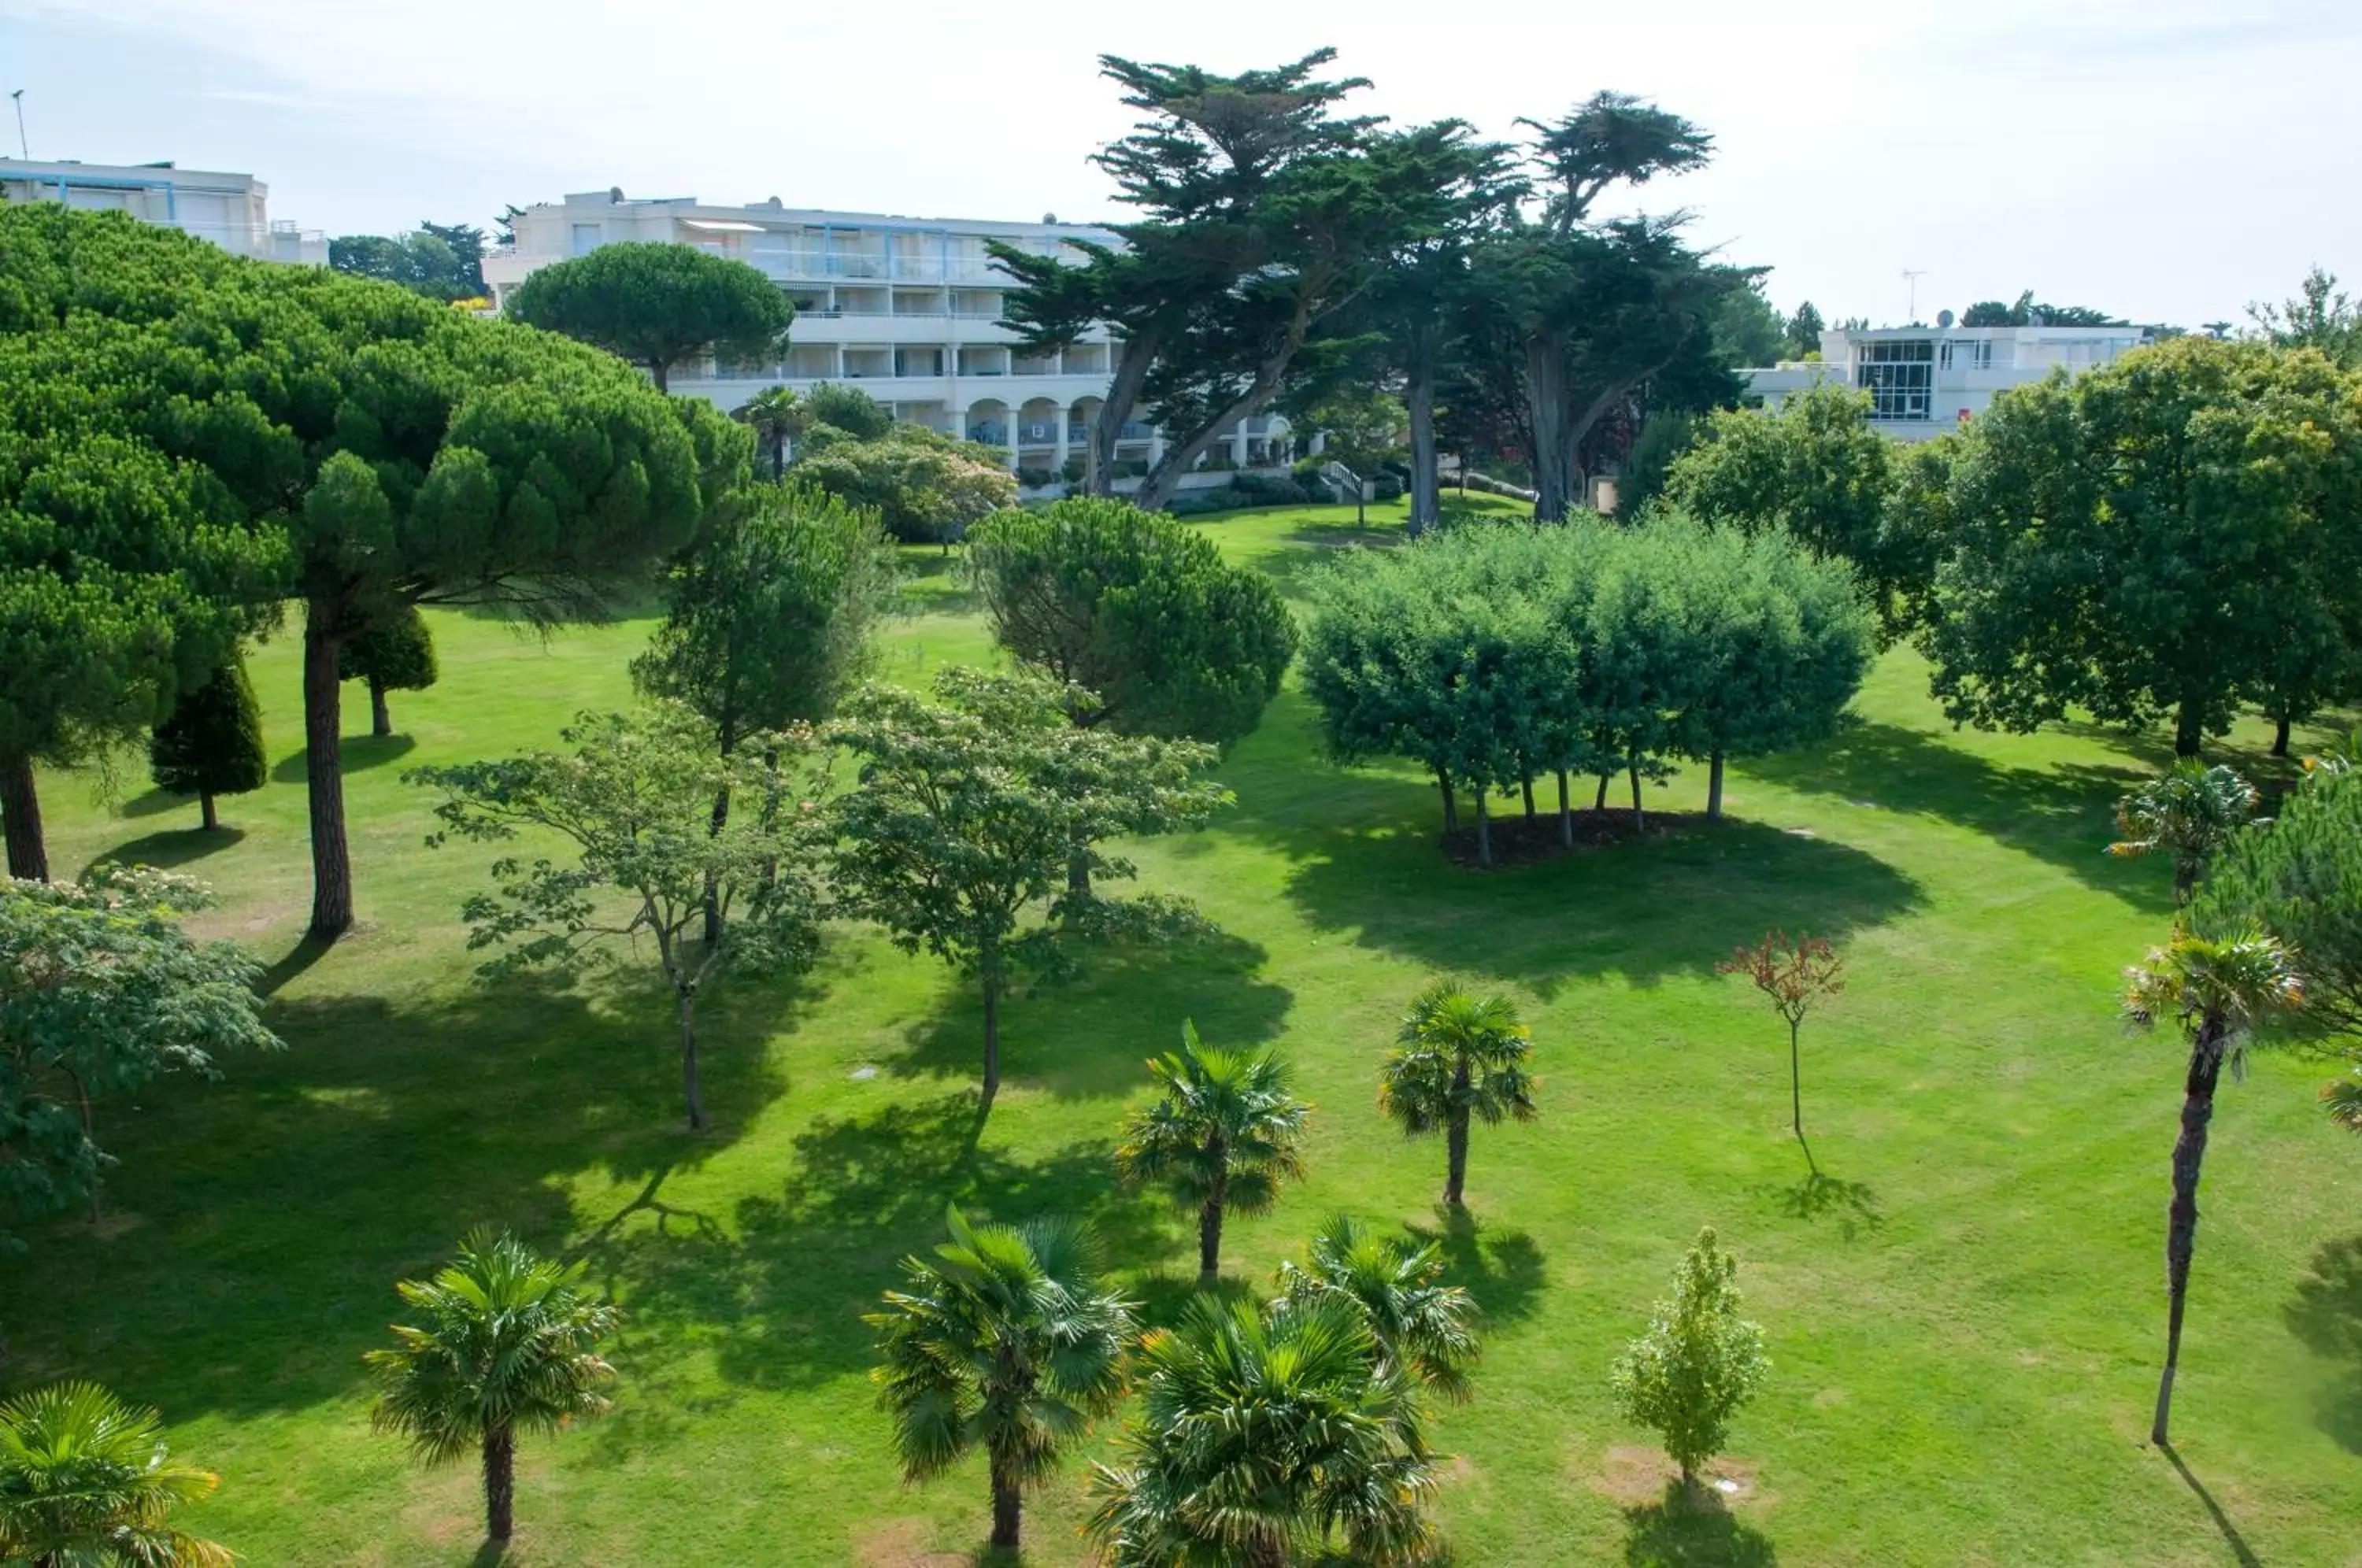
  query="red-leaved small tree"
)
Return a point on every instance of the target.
[{"x": 1795, "y": 976}]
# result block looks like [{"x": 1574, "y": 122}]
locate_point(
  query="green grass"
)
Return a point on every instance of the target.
[{"x": 1964, "y": 1308}]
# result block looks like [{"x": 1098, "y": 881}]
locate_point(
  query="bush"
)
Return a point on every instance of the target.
[
  {"x": 1032, "y": 478},
  {"x": 1385, "y": 487},
  {"x": 1074, "y": 470},
  {"x": 1199, "y": 502},
  {"x": 1268, "y": 490}
]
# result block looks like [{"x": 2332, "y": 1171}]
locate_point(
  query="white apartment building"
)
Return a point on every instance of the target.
[
  {"x": 905, "y": 308},
  {"x": 230, "y": 210},
  {"x": 1925, "y": 380}
]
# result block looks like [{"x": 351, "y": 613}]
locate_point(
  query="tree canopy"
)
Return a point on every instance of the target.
[
  {"x": 2299, "y": 878},
  {"x": 2026, "y": 311},
  {"x": 657, "y": 305},
  {"x": 2320, "y": 317},
  {"x": 445, "y": 262}
]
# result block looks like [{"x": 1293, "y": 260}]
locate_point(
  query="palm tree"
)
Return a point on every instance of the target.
[
  {"x": 2343, "y": 1098},
  {"x": 2218, "y": 990},
  {"x": 1004, "y": 1340},
  {"x": 777, "y": 416},
  {"x": 1462, "y": 1058},
  {"x": 86, "y": 1481},
  {"x": 1221, "y": 1139},
  {"x": 506, "y": 1344},
  {"x": 1425, "y": 1327},
  {"x": 1260, "y": 1436},
  {"x": 2188, "y": 814}
]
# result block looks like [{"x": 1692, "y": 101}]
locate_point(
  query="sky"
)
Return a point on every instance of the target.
[{"x": 2168, "y": 161}]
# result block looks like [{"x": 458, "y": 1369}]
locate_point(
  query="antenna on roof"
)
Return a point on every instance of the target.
[
  {"x": 22, "y": 151},
  {"x": 1911, "y": 276}
]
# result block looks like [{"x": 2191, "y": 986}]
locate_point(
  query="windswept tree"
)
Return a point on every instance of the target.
[
  {"x": 1460, "y": 1059},
  {"x": 1696, "y": 1365},
  {"x": 2190, "y": 813},
  {"x": 87, "y": 1479},
  {"x": 396, "y": 654},
  {"x": 1794, "y": 977},
  {"x": 1223, "y": 1133},
  {"x": 1417, "y": 1323},
  {"x": 657, "y": 305},
  {"x": 505, "y": 1342},
  {"x": 211, "y": 745},
  {"x": 969, "y": 811},
  {"x": 1265, "y": 1438},
  {"x": 2218, "y": 991},
  {"x": 1003, "y": 1340},
  {"x": 634, "y": 803}
]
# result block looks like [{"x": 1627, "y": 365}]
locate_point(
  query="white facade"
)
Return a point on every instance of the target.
[
  {"x": 905, "y": 308},
  {"x": 230, "y": 210},
  {"x": 1925, "y": 380}
]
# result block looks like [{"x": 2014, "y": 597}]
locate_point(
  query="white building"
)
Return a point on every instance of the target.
[
  {"x": 906, "y": 308},
  {"x": 230, "y": 210},
  {"x": 1925, "y": 380}
]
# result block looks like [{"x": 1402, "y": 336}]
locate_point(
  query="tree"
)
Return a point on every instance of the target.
[
  {"x": 1362, "y": 428},
  {"x": 634, "y": 803},
  {"x": 1425, "y": 1328},
  {"x": 1140, "y": 611},
  {"x": 443, "y": 262},
  {"x": 2320, "y": 317},
  {"x": 2299, "y": 878},
  {"x": 2218, "y": 990},
  {"x": 1460, "y": 1058},
  {"x": 1003, "y": 1341},
  {"x": 1696, "y": 1365},
  {"x": 777, "y": 416},
  {"x": 2191, "y": 813},
  {"x": 2142, "y": 540},
  {"x": 506, "y": 1342},
  {"x": 1804, "y": 332},
  {"x": 848, "y": 410},
  {"x": 86, "y": 1480},
  {"x": 1222, "y": 1135},
  {"x": 969, "y": 811},
  {"x": 657, "y": 305},
  {"x": 213, "y": 743},
  {"x": 1745, "y": 328},
  {"x": 102, "y": 992},
  {"x": 925, "y": 487},
  {"x": 1262, "y": 1438},
  {"x": 2027, "y": 312},
  {"x": 1794, "y": 977},
  {"x": 396, "y": 654}
]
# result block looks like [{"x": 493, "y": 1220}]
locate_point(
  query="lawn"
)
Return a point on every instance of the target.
[{"x": 1963, "y": 1294}]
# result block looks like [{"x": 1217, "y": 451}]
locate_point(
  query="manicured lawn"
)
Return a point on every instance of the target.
[{"x": 1964, "y": 1305}]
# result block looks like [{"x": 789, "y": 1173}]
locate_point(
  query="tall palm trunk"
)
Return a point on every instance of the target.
[
  {"x": 500, "y": 1482},
  {"x": 2182, "y": 1214},
  {"x": 1008, "y": 1504},
  {"x": 1210, "y": 1219},
  {"x": 1455, "y": 1138}
]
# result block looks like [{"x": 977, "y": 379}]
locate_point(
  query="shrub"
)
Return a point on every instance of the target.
[
  {"x": 1697, "y": 1364},
  {"x": 1032, "y": 478}
]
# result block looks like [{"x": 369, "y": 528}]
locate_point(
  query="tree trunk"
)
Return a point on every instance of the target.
[
  {"x": 1714, "y": 789},
  {"x": 2189, "y": 731},
  {"x": 1565, "y": 814},
  {"x": 1455, "y": 1138},
  {"x": 779, "y": 458},
  {"x": 500, "y": 1484},
  {"x": 1008, "y": 1506},
  {"x": 1639, "y": 818},
  {"x": 20, "y": 820},
  {"x": 1795, "y": 1081},
  {"x": 1079, "y": 871},
  {"x": 1545, "y": 380},
  {"x": 1165, "y": 478},
  {"x": 1526, "y": 784},
  {"x": 1450, "y": 806},
  {"x": 324, "y": 773},
  {"x": 1599, "y": 801},
  {"x": 380, "y": 717},
  {"x": 2182, "y": 1214},
  {"x": 688, "y": 1062},
  {"x": 2280, "y": 736},
  {"x": 1419, "y": 397},
  {"x": 1132, "y": 367},
  {"x": 720, "y": 820},
  {"x": 205, "y": 811},
  {"x": 1484, "y": 828},
  {"x": 991, "y": 1039},
  {"x": 660, "y": 372}
]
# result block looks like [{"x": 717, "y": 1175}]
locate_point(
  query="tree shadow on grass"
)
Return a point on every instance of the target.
[
  {"x": 259, "y": 1226},
  {"x": 356, "y": 753},
  {"x": 2241, "y": 1552},
  {"x": 1685, "y": 1529},
  {"x": 172, "y": 848},
  {"x": 1501, "y": 1267},
  {"x": 2325, "y": 1315},
  {"x": 154, "y": 801},
  {"x": 1819, "y": 1196}
]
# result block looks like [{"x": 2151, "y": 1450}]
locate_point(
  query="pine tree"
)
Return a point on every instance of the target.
[
  {"x": 393, "y": 656},
  {"x": 213, "y": 743}
]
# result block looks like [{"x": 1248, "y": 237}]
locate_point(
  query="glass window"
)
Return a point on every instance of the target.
[{"x": 1898, "y": 374}]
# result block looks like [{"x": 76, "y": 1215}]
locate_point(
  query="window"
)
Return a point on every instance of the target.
[
  {"x": 586, "y": 237},
  {"x": 1899, "y": 375},
  {"x": 1969, "y": 354}
]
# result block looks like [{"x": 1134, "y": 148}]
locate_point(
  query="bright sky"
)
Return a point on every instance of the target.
[{"x": 2166, "y": 160}]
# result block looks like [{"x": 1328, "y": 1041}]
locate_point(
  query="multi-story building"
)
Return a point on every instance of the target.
[
  {"x": 908, "y": 309},
  {"x": 1925, "y": 380},
  {"x": 230, "y": 210}
]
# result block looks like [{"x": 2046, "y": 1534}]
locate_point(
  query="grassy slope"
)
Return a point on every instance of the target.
[{"x": 1964, "y": 1308}]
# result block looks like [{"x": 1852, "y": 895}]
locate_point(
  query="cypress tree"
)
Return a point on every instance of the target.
[
  {"x": 396, "y": 654},
  {"x": 213, "y": 743}
]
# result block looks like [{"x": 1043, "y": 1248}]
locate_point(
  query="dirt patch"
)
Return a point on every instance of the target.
[
  {"x": 1516, "y": 842},
  {"x": 901, "y": 1543},
  {"x": 1633, "y": 1477}
]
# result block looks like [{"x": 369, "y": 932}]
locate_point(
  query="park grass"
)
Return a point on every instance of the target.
[{"x": 1962, "y": 1292}]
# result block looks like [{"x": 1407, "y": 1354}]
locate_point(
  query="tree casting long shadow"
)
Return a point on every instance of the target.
[
  {"x": 2325, "y": 1315},
  {"x": 1682, "y": 1530}
]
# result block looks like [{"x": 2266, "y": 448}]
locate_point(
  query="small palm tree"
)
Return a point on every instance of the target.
[
  {"x": 1224, "y": 1135},
  {"x": 86, "y": 1481},
  {"x": 1004, "y": 1340},
  {"x": 2190, "y": 813},
  {"x": 504, "y": 1345},
  {"x": 2343, "y": 1097},
  {"x": 1264, "y": 1437},
  {"x": 777, "y": 416},
  {"x": 2218, "y": 990},
  {"x": 1462, "y": 1058},
  {"x": 1423, "y": 1327}
]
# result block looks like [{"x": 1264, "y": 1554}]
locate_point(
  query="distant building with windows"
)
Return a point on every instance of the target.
[
  {"x": 908, "y": 309},
  {"x": 1925, "y": 380},
  {"x": 230, "y": 210}
]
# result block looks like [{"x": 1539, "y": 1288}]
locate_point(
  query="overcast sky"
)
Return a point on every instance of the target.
[{"x": 2164, "y": 159}]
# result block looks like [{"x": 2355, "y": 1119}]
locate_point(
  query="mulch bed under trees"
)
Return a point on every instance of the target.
[{"x": 1516, "y": 842}]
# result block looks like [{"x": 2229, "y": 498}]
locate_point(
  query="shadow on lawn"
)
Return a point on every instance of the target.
[
  {"x": 1692, "y": 1530},
  {"x": 356, "y": 752},
  {"x": 2325, "y": 1314},
  {"x": 1501, "y": 1268},
  {"x": 258, "y": 1227},
  {"x": 173, "y": 848},
  {"x": 1821, "y": 1195}
]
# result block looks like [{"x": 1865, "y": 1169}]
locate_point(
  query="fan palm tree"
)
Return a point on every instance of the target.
[
  {"x": 2188, "y": 814},
  {"x": 1425, "y": 1327},
  {"x": 2218, "y": 989},
  {"x": 86, "y": 1482},
  {"x": 1223, "y": 1136},
  {"x": 2343, "y": 1098},
  {"x": 504, "y": 1345},
  {"x": 777, "y": 416},
  {"x": 1462, "y": 1058},
  {"x": 1004, "y": 1341},
  {"x": 1262, "y": 1436}
]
